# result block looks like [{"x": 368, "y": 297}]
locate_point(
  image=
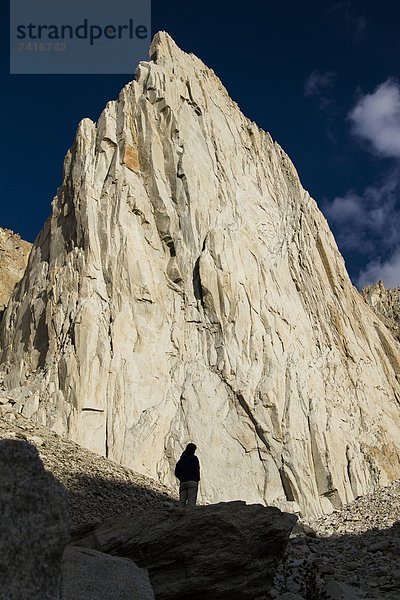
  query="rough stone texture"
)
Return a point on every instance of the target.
[
  {"x": 91, "y": 575},
  {"x": 386, "y": 304},
  {"x": 353, "y": 553},
  {"x": 97, "y": 487},
  {"x": 14, "y": 254},
  {"x": 223, "y": 551},
  {"x": 34, "y": 527},
  {"x": 186, "y": 288}
]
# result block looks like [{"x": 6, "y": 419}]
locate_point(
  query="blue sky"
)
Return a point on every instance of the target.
[{"x": 322, "y": 77}]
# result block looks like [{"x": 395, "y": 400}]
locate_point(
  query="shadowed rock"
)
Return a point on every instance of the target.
[
  {"x": 91, "y": 575},
  {"x": 33, "y": 522},
  {"x": 228, "y": 550}
]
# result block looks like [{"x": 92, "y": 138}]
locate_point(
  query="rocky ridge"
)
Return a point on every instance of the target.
[
  {"x": 14, "y": 254},
  {"x": 186, "y": 287},
  {"x": 386, "y": 304}
]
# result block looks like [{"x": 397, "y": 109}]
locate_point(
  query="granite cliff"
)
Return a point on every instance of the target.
[{"x": 186, "y": 287}]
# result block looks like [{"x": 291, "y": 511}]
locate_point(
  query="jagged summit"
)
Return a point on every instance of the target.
[
  {"x": 186, "y": 288},
  {"x": 163, "y": 45}
]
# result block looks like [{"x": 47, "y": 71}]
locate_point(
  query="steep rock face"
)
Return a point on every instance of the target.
[
  {"x": 13, "y": 258},
  {"x": 186, "y": 288},
  {"x": 386, "y": 304}
]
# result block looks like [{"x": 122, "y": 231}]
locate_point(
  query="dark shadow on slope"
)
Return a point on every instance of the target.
[{"x": 94, "y": 499}]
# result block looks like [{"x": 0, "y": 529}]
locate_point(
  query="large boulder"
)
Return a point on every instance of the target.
[
  {"x": 91, "y": 575},
  {"x": 228, "y": 550},
  {"x": 33, "y": 523}
]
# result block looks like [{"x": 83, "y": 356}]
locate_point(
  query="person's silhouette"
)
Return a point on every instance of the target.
[{"x": 187, "y": 470}]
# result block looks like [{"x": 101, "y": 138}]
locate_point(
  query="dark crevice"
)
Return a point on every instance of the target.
[
  {"x": 71, "y": 335},
  {"x": 41, "y": 340},
  {"x": 197, "y": 289},
  {"x": 106, "y": 436},
  {"x": 168, "y": 241},
  {"x": 110, "y": 337}
]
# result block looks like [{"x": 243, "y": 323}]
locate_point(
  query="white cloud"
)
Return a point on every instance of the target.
[
  {"x": 368, "y": 221},
  {"x": 376, "y": 118},
  {"x": 367, "y": 224},
  {"x": 388, "y": 271}
]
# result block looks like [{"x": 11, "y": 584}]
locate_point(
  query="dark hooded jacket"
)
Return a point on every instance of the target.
[{"x": 187, "y": 468}]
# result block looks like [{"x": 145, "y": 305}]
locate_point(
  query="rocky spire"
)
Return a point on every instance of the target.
[{"x": 187, "y": 288}]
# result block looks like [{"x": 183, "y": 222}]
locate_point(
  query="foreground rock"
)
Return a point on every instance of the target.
[
  {"x": 14, "y": 254},
  {"x": 224, "y": 551},
  {"x": 34, "y": 528},
  {"x": 386, "y": 304},
  {"x": 186, "y": 287},
  {"x": 91, "y": 575}
]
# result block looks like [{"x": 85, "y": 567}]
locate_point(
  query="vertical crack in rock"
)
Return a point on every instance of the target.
[
  {"x": 257, "y": 427},
  {"x": 197, "y": 288}
]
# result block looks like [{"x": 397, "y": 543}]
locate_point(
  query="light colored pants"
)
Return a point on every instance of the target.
[{"x": 188, "y": 493}]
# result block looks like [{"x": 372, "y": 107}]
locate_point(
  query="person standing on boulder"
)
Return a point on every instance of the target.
[{"x": 187, "y": 470}]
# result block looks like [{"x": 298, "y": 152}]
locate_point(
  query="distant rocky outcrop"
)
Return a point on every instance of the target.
[
  {"x": 34, "y": 525},
  {"x": 386, "y": 304},
  {"x": 187, "y": 288},
  {"x": 227, "y": 551},
  {"x": 14, "y": 254}
]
